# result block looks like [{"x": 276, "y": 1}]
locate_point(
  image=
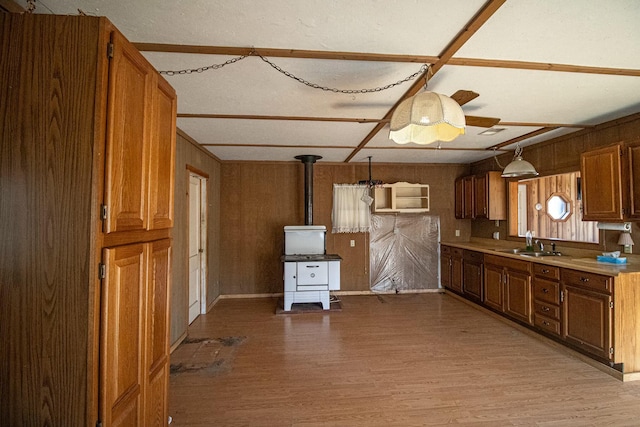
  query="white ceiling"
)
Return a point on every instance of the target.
[{"x": 581, "y": 33}]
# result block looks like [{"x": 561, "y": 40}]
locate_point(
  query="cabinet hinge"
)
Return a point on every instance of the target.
[
  {"x": 611, "y": 304},
  {"x": 610, "y": 350},
  {"x": 561, "y": 296},
  {"x": 103, "y": 212},
  {"x": 102, "y": 271},
  {"x": 109, "y": 50}
]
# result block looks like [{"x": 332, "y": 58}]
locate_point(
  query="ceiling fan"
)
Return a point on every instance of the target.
[{"x": 464, "y": 96}]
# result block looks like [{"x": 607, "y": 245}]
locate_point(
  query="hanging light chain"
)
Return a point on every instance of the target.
[
  {"x": 422, "y": 70},
  {"x": 348, "y": 91},
  {"x": 203, "y": 69}
]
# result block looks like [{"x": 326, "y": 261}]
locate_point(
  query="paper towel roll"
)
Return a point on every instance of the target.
[{"x": 619, "y": 226}]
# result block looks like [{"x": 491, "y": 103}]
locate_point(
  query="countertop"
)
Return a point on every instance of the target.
[
  {"x": 575, "y": 259},
  {"x": 310, "y": 258}
]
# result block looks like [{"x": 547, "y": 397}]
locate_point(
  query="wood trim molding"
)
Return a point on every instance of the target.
[{"x": 195, "y": 143}]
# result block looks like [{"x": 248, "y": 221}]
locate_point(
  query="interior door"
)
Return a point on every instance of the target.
[{"x": 197, "y": 245}]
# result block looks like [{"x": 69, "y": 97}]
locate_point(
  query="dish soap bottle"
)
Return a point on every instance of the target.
[{"x": 529, "y": 240}]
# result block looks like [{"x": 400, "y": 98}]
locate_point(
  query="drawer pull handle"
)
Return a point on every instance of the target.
[
  {"x": 545, "y": 290},
  {"x": 545, "y": 323},
  {"x": 545, "y": 308},
  {"x": 584, "y": 279},
  {"x": 313, "y": 266},
  {"x": 545, "y": 270}
]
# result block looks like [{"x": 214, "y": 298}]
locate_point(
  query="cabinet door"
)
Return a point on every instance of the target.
[
  {"x": 157, "y": 333},
  {"x": 456, "y": 273},
  {"x": 634, "y": 181},
  {"x": 601, "y": 184},
  {"x": 445, "y": 270},
  {"x": 586, "y": 320},
  {"x": 517, "y": 296},
  {"x": 468, "y": 194},
  {"x": 122, "y": 340},
  {"x": 493, "y": 288},
  {"x": 162, "y": 156},
  {"x": 481, "y": 197},
  {"x": 128, "y": 130},
  {"x": 459, "y": 199},
  {"x": 472, "y": 280}
]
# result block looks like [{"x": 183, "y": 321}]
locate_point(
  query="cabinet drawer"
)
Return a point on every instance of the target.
[
  {"x": 542, "y": 270},
  {"x": 473, "y": 256},
  {"x": 547, "y": 324},
  {"x": 597, "y": 282},
  {"x": 457, "y": 252},
  {"x": 546, "y": 290},
  {"x": 445, "y": 250},
  {"x": 548, "y": 310}
]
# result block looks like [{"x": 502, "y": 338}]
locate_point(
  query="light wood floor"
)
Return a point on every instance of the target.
[{"x": 400, "y": 360}]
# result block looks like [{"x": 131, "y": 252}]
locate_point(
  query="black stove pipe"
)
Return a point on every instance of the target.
[{"x": 308, "y": 160}]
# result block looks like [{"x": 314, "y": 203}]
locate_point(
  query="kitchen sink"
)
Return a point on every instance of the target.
[{"x": 524, "y": 252}]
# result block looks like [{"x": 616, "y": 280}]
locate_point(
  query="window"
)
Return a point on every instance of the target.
[{"x": 550, "y": 208}]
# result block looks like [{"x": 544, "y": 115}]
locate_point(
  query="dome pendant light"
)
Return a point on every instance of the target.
[
  {"x": 425, "y": 118},
  {"x": 519, "y": 168}
]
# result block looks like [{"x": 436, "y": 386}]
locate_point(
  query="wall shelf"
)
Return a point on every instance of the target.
[{"x": 401, "y": 197}]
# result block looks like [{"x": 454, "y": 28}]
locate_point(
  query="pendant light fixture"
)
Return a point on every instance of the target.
[
  {"x": 519, "y": 168},
  {"x": 427, "y": 117}
]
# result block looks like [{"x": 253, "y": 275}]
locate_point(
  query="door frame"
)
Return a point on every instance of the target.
[{"x": 204, "y": 241}]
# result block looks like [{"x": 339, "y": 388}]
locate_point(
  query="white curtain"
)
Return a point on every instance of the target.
[{"x": 351, "y": 212}]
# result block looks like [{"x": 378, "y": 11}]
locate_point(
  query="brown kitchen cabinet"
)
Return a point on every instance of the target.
[
  {"x": 451, "y": 268},
  {"x": 99, "y": 284},
  {"x": 611, "y": 183},
  {"x": 481, "y": 196},
  {"x": 587, "y": 311},
  {"x": 507, "y": 285},
  {"x": 472, "y": 279}
]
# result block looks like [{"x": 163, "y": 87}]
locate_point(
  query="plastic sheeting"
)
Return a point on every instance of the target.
[{"x": 404, "y": 252}]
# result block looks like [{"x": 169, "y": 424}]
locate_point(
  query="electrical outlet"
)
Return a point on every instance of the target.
[
  {"x": 353, "y": 243},
  {"x": 457, "y": 233}
]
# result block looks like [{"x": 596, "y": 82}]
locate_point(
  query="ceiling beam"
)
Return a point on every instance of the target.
[
  {"x": 341, "y": 147},
  {"x": 489, "y": 8},
  {"x": 10, "y": 6},
  {"x": 522, "y": 138},
  {"x": 379, "y": 57},
  {"x": 480, "y": 120}
]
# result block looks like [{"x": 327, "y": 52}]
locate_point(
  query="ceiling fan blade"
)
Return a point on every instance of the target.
[
  {"x": 464, "y": 96},
  {"x": 481, "y": 122}
]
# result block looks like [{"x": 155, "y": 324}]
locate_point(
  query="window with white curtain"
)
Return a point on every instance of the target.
[{"x": 351, "y": 212}]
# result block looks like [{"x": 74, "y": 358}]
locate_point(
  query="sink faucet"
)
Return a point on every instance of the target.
[{"x": 540, "y": 245}]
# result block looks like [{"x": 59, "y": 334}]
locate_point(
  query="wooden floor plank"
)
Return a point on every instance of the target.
[{"x": 399, "y": 360}]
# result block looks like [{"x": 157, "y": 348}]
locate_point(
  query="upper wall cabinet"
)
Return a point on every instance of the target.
[
  {"x": 401, "y": 197},
  {"x": 481, "y": 196},
  {"x": 610, "y": 184}
]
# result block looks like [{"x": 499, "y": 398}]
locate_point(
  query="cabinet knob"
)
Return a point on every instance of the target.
[
  {"x": 584, "y": 279},
  {"x": 545, "y": 308},
  {"x": 545, "y": 290},
  {"x": 545, "y": 323},
  {"x": 545, "y": 270}
]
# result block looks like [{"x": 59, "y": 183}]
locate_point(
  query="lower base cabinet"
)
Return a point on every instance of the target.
[
  {"x": 507, "y": 287},
  {"x": 587, "y": 312}
]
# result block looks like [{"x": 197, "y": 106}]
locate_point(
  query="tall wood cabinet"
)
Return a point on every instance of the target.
[{"x": 87, "y": 155}]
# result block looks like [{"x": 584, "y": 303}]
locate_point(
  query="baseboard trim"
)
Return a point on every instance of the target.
[{"x": 178, "y": 342}]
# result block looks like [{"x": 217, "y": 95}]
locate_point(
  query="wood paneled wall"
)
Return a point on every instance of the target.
[
  {"x": 561, "y": 155},
  {"x": 190, "y": 154},
  {"x": 259, "y": 198}
]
